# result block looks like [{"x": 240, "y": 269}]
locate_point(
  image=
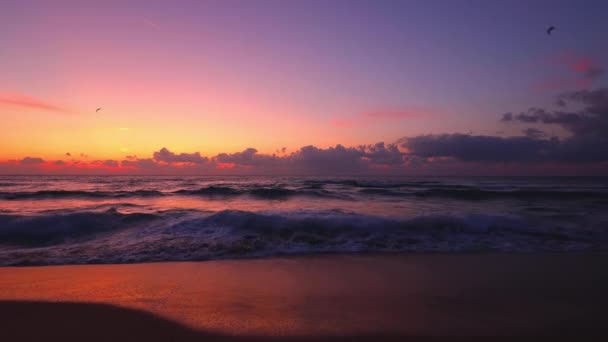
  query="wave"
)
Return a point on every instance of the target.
[
  {"x": 473, "y": 194},
  {"x": 211, "y": 191},
  {"x": 372, "y": 183},
  {"x": 46, "y": 194},
  {"x": 260, "y": 192},
  {"x": 112, "y": 237},
  {"x": 481, "y": 194},
  {"x": 59, "y": 228},
  {"x": 364, "y": 185},
  {"x": 464, "y": 193}
]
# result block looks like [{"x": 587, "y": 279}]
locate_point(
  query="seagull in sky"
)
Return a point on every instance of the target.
[
  {"x": 97, "y": 110},
  {"x": 550, "y": 29}
]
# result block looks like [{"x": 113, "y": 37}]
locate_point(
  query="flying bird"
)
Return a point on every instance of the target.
[
  {"x": 97, "y": 110},
  {"x": 550, "y": 29}
]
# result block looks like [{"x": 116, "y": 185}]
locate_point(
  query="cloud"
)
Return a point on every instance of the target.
[
  {"x": 310, "y": 159},
  {"x": 345, "y": 123},
  {"x": 394, "y": 114},
  {"x": 146, "y": 163},
  {"x": 587, "y": 123},
  {"x": 381, "y": 115},
  {"x": 533, "y": 133},
  {"x": 248, "y": 157},
  {"x": 110, "y": 163},
  {"x": 26, "y": 101},
  {"x": 149, "y": 22},
  {"x": 577, "y": 72},
  {"x": 381, "y": 154},
  {"x": 584, "y": 66},
  {"x": 31, "y": 161},
  {"x": 491, "y": 149},
  {"x": 590, "y": 119},
  {"x": 584, "y": 150},
  {"x": 466, "y": 147},
  {"x": 337, "y": 159},
  {"x": 164, "y": 155}
]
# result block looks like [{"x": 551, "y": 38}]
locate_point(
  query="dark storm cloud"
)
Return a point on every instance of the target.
[{"x": 164, "y": 155}]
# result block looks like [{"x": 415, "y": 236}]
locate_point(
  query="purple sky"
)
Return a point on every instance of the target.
[{"x": 222, "y": 76}]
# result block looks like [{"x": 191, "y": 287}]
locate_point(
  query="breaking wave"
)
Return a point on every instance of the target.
[
  {"x": 457, "y": 192},
  {"x": 113, "y": 237},
  {"x": 60, "y": 228}
]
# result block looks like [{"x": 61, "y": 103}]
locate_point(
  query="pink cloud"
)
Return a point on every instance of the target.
[
  {"x": 563, "y": 83},
  {"x": 383, "y": 115},
  {"x": 394, "y": 114},
  {"x": 577, "y": 71},
  {"x": 21, "y": 100},
  {"x": 151, "y": 23},
  {"x": 343, "y": 123},
  {"x": 583, "y": 66}
]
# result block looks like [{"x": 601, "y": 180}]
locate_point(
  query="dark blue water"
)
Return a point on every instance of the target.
[{"x": 123, "y": 219}]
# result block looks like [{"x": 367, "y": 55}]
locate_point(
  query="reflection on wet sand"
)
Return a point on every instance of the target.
[{"x": 388, "y": 295}]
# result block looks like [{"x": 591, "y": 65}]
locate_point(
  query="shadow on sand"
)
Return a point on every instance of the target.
[{"x": 50, "y": 321}]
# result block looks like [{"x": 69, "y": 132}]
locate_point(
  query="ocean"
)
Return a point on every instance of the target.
[{"x": 125, "y": 219}]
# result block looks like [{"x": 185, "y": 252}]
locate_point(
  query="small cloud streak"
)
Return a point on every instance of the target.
[
  {"x": 149, "y": 22},
  {"x": 377, "y": 116},
  {"x": 26, "y": 101},
  {"x": 394, "y": 114},
  {"x": 584, "y": 66},
  {"x": 583, "y": 72}
]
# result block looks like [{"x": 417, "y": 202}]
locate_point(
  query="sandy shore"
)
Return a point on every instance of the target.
[{"x": 389, "y": 295}]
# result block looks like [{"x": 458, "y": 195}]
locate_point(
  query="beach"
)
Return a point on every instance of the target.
[
  {"x": 325, "y": 296},
  {"x": 321, "y": 170}
]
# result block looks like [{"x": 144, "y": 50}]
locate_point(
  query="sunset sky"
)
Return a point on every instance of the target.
[{"x": 220, "y": 86}]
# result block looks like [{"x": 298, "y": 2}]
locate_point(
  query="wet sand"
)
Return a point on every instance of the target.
[{"x": 396, "y": 297}]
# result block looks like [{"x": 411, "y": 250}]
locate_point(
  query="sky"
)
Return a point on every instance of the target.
[{"x": 260, "y": 86}]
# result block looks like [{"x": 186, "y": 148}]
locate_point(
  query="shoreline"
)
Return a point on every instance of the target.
[
  {"x": 598, "y": 253},
  {"x": 429, "y": 294}
]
